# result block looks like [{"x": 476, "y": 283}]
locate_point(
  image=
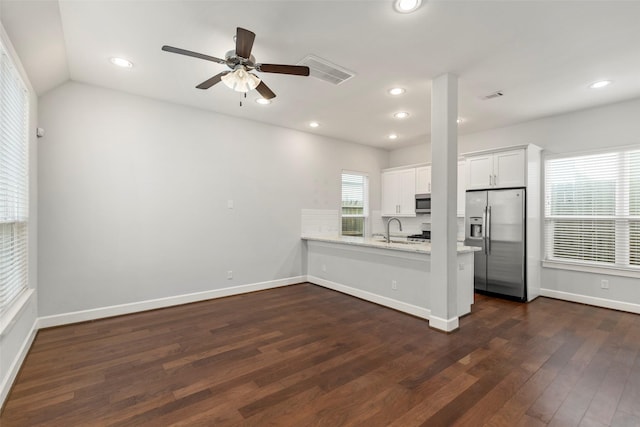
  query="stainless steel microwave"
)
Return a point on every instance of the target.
[{"x": 423, "y": 203}]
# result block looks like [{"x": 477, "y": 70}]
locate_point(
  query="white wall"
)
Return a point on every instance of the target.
[
  {"x": 410, "y": 155},
  {"x": 134, "y": 193},
  {"x": 17, "y": 335},
  {"x": 609, "y": 126},
  {"x": 597, "y": 128}
]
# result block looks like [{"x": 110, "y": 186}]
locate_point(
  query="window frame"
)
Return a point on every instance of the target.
[
  {"x": 365, "y": 210},
  {"x": 15, "y": 213},
  {"x": 623, "y": 221}
]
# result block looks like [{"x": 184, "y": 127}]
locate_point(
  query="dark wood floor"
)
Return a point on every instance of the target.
[{"x": 303, "y": 355}]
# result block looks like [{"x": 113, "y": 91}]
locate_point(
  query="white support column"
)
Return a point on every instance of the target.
[{"x": 444, "y": 176}]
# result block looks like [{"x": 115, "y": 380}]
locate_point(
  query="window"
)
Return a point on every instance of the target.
[
  {"x": 592, "y": 209},
  {"x": 355, "y": 203},
  {"x": 14, "y": 182}
]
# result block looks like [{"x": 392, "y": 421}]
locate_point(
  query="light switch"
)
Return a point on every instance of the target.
[{"x": 230, "y": 204}]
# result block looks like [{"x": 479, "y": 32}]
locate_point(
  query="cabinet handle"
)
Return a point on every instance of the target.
[
  {"x": 429, "y": 187},
  {"x": 490, "y": 180},
  {"x": 495, "y": 180}
]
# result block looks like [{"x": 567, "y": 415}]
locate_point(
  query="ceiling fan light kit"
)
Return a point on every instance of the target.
[
  {"x": 240, "y": 81},
  {"x": 241, "y": 62}
]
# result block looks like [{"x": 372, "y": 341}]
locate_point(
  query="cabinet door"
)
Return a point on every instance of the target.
[
  {"x": 509, "y": 169},
  {"x": 479, "y": 172},
  {"x": 408, "y": 192},
  {"x": 390, "y": 193},
  {"x": 462, "y": 186},
  {"x": 423, "y": 180}
]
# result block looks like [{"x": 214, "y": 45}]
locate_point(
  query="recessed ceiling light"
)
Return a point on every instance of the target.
[
  {"x": 121, "y": 62},
  {"x": 401, "y": 115},
  {"x": 263, "y": 101},
  {"x": 600, "y": 84},
  {"x": 396, "y": 91},
  {"x": 314, "y": 124},
  {"x": 393, "y": 136},
  {"x": 406, "y": 6}
]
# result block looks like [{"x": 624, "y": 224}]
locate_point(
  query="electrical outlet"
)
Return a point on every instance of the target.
[
  {"x": 229, "y": 204},
  {"x": 230, "y": 274},
  {"x": 394, "y": 285},
  {"x": 324, "y": 267},
  {"x": 604, "y": 284},
  {"x": 460, "y": 267}
]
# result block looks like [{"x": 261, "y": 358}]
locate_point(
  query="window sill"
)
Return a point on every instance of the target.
[
  {"x": 610, "y": 271},
  {"x": 9, "y": 317}
]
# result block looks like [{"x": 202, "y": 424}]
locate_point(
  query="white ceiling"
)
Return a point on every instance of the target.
[{"x": 541, "y": 54}]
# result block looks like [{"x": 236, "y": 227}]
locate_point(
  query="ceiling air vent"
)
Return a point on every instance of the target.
[
  {"x": 496, "y": 94},
  {"x": 325, "y": 70}
]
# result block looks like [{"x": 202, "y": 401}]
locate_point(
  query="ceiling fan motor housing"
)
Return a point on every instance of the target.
[{"x": 233, "y": 60}]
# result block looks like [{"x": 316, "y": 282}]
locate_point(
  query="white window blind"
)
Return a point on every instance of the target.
[
  {"x": 14, "y": 182},
  {"x": 592, "y": 209},
  {"x": 355, "y": 203}
]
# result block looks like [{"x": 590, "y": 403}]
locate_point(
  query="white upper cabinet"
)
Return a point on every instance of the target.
[
  {"x": 496, "y": 170},
  {"x": 423, "y": 180},
  {"x": 509, "y": 169},
  {"x": 398, "y": 192},
  {"x": 479, "y": 171}
]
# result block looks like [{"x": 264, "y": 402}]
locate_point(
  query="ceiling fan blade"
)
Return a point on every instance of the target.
[
  {"x": 193, "y": 54},
  {"x": 296, "y": 70},
  {"x": 244, "y": 42},
  {"x": 213, "y": 80},
  {"x": 264, "y": 91}
]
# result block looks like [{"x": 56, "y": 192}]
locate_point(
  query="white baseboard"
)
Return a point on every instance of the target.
[
  {"x": 12, "y": 373},
  {"x": 445, "y": 325},
  {"x": 598, "y": 302},
  {"x": 414, "y": 310},
  {"x": 134, "y": 307}
]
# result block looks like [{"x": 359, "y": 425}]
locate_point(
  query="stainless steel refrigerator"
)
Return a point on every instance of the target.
[{"x": 495, "y": 222}]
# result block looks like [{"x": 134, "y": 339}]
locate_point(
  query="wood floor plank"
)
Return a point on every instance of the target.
[{"x": 305, "y": 355}]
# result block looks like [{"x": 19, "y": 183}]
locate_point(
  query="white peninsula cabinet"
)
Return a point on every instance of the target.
[
  {"x": 501, "y": 169},
  {"x": 399, "y": 192}
]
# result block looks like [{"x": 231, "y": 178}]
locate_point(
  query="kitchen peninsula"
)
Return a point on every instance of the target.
[{"x": 396, "y": 274}]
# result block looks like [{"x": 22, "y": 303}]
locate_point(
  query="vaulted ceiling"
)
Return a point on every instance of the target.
[{"x": 542, "y": 55}]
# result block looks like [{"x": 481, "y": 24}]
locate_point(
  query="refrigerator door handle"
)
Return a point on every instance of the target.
[
  {"x": 484, "y": 229},
  {"x": 488, "y": 229}
]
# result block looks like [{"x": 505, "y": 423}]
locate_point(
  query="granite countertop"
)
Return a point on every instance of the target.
[{"x": 399, "y": 245}]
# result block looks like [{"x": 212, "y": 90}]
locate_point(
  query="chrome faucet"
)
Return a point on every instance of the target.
[{"x": 389, "y": 222}]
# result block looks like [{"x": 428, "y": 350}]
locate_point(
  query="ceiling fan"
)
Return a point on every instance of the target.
[{"x": 242, "y": 62}]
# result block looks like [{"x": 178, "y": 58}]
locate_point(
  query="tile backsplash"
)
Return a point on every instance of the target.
[
  {"x": 326, "y": 222},
  {"x": 410, "y": 225},
  {"x": 320, "y": 222}
]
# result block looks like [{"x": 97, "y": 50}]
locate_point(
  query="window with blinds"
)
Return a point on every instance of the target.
[
  {"x": 592, "y": 209},
  {"x": 14, "y": 182},
  {"x": 355, "y": 203}
]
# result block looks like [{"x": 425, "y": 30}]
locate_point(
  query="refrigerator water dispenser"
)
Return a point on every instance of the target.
[{"x": 476, "y": 227}]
